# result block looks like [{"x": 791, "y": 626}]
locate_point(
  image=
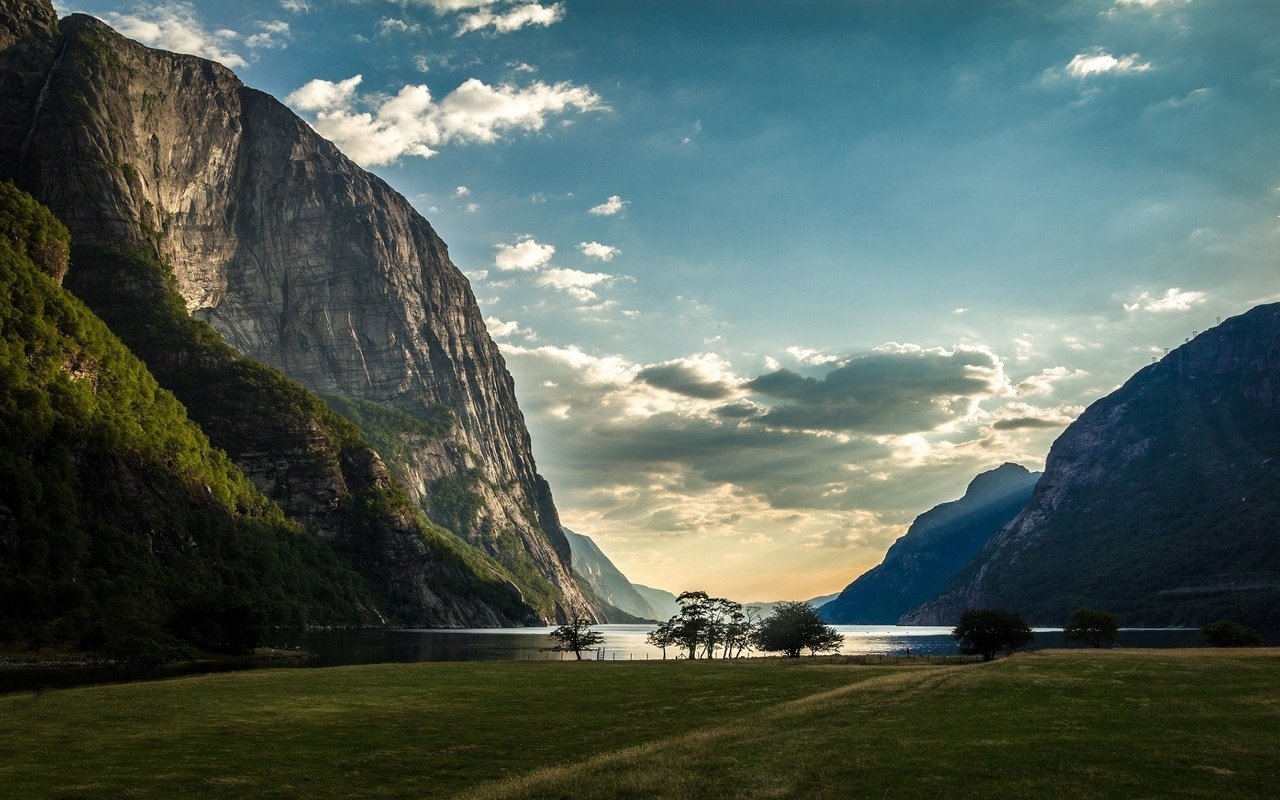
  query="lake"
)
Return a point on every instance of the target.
[
  {"x": 627, "y": 642},
  {"x": 622, "y": 643}
]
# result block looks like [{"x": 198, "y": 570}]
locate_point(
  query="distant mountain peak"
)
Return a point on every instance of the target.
[
  {"x": 1153, "y": 495},
  {"x": 939, "y": 543}
]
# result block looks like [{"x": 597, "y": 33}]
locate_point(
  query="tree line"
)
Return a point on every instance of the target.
[{"x": 715, "y": 627}]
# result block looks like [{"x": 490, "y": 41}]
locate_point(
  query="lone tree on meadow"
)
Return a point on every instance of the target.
[
  {"x": 793, "y": 627},
  {"x": 986, "y": 631},
  {"x": 575, "y": 635},
  {"x": 1091, "y": 626}
]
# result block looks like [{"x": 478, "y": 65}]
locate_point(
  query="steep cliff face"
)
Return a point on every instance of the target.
[
  {"x": 1159, "y": 503},
  {"x": 298, "y": 258},
  {"x": 939, "y": 543},
  {"x": 118, "y": 520}
]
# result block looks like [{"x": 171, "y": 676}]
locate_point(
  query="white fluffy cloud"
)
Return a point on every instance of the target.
[
  {"x": 575, "y": 283},
  {"x": 412, "y": 123},
  {"x": 1173, "y": 299},
  {"x": 296, "y": 6},
  {"x": 1144, "y": 5},
  {"x": 526, "y": 255},
  {"x": 501, "y": 16},
  {"x": 603, "y": 252},
  {"x": 512, "y": 19},
  {"x": 390, "y": 25},
  {"x": 807, "y": 355},
  {"x": 176, "y": 27},
  {"x": 318, "y": 94},
  {"x": 502, "y": 329},
  {"x": 273, "y": 35},
  {"x": 608, "y": 208},
  {"x": 1097, "y": 61}
]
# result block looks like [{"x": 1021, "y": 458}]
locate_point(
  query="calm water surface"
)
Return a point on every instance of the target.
[{"x": 626, "y": 642}]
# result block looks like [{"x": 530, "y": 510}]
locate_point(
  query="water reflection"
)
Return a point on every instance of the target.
[{"x": 627, "y": 643}]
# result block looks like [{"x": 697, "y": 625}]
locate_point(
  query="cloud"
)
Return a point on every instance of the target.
[
  {"x": 412, "y": 123},
  {"x": 894, "y": 389},
  {"x": 389, "y": 25},
  {"x": 448, "y": 6},
  {"x": 807, "y": 355},
  {"x": 705, "y": 376},
  {"x": 574, "y": 282},
  {"x": 599, "y": 251},
  {"x": 1143, "y": 5},
  {"x": 1173, "y": 299},
  {"x": 610, "y": 207},
  {"x": 461, "y": 191},
  {"x": 296, "y": 6},
  {"x": 273, "y": 35},
  {"x": 1042, "y": 382},
  {"x": 320, "y": 94},
  {"x": 176, "y": 27},
  {"x": 502, "y": 16},
  {"x": 500, "y": 329},
  {"x": 526, "y": 255},
  {"x": 1023, "y": 416},
  {"x": 1097, "y": 61},
  {"x": 512, "y": 19}
]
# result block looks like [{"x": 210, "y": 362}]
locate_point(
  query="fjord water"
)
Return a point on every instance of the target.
[{"x": 627, "y": 642}]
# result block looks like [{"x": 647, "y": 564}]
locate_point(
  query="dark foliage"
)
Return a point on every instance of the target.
[
  {"x": 1092, "y": 627},
  {"x": 115, "y": 510},
  {"x": 258, "y": 409},
  {"x": 987, "y": 631},
  {"x": 704, "y": 625},
  {"x": 1226, "y": 633},
  {"x": 794, "y": 627}
]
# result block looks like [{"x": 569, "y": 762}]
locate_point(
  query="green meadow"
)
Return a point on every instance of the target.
[{"x": 1195, "y": 723}]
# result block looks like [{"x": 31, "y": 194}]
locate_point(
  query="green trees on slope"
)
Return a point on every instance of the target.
[{"x": 114, "y": 507}]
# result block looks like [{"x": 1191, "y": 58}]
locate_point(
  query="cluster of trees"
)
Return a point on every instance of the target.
[
  {"x": 987, "y": 631},
  {"x": 715, "y": 627}
]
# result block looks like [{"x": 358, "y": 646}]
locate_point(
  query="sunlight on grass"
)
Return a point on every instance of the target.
[{"x": 1084, "y": 723}]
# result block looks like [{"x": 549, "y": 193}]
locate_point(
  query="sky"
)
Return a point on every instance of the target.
[{"x": 774, "y": 278}]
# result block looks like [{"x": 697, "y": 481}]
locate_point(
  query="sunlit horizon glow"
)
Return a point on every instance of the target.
[{"x": 773, "y": 279}]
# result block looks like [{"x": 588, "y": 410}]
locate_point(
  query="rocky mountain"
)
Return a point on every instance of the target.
[
  {"x": 1159, "y": 503},
  {"x": 119, "y": 522},
  {"x": 299, "y": 260},
  {"x": 660, "y": 600},
  {"x": 606, "y": 580},
  {"x": 939, "y": 543}
]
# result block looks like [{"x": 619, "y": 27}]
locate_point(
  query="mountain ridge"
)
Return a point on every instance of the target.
[
  {"x": 1151, "y": 495},
  {"x": 297, "y": 258},
  {"x": 937, "y": 545}
]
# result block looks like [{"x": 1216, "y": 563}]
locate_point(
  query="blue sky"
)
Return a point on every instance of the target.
[{"x": 843, "y": 255}]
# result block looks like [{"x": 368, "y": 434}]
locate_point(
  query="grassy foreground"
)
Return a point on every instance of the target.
[{"x": 1067, "y": 723}]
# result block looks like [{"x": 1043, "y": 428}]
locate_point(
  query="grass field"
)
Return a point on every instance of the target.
[{"x": 1125, "y": 724}]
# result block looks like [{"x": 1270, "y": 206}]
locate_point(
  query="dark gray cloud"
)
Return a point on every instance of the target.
[
  {"x": 1025, "y": 423},
  {"x": 684, "y": 379},
  {"x": 892, "y": 391}
]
